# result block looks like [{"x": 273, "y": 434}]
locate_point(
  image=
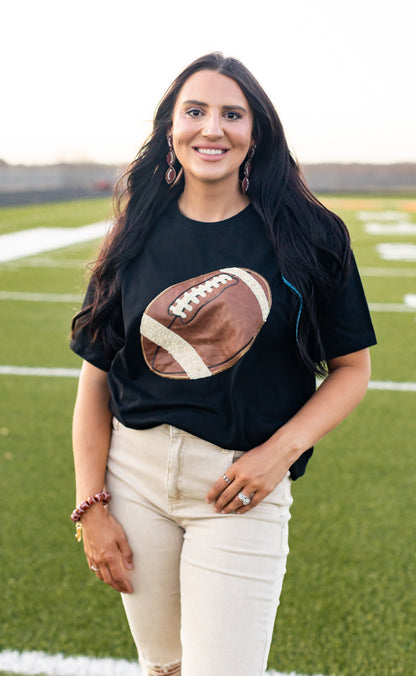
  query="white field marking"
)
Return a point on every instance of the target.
[
  {"x": 58, "y": 665},
  {"x": 28, "y": 242},
  {"x": 397, "y": 252},
  {"x": 42, "y": 262},
  {"x": 39, "y": 371},
  {"x": 41, "y": 297},
  {"x": 394, "y": 229},
  {"x": 74, "y": 373},
  {"x": 408, "y": 306},
  {"x": 388, "y": 272},
  {"x": 391, "y": 307},
  {"x": 382, "y": 215},
  {"x": 32, "y": 663},
  {"x": 384, "y": 385},
  {"x": 389, "y": 386},
  {"x": 410, "y": 300}
]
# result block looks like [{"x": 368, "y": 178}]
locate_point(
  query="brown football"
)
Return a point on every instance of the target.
[{"x": 204, "y": 325}]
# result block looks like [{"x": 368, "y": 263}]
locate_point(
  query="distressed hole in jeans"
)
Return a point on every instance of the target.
[{"x": 172, "y": 669}]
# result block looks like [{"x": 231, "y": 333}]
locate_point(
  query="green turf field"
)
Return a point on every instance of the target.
[{"x": 348, "y": 606}]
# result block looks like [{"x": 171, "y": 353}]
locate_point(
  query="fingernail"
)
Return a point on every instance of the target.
[{"x": 130, "y": 566}]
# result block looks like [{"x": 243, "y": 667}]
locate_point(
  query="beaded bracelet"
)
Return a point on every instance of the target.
[{"x": 103, "y": 497}]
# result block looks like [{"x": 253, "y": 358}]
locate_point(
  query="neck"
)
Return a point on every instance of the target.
[{"x": 211, "y": 202}]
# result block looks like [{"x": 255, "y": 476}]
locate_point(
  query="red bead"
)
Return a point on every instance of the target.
[{"x": 103, "y": 497}]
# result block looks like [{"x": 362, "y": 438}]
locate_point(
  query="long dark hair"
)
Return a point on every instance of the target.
[{"x": 311, "y": 243}]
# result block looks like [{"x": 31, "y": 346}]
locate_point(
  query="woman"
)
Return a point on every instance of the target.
[{"x": 222, "y": 290}]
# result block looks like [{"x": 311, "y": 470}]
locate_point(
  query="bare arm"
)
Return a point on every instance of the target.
[
  {"x": 105, "y": 543},
  {"x": 262, "y": 468}
]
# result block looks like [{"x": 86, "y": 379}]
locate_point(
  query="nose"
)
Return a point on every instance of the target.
[{"x": 213, "y": 126}]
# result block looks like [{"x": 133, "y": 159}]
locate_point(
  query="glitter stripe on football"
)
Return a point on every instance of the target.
[{"x": 204, "y": 325}]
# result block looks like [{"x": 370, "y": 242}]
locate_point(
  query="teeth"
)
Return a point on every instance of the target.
[{"x": 211, "y": 151}]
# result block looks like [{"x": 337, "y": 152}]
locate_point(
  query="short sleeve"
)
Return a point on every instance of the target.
[
  {"x": 93, "y": 351},
  {"x": 345, "y": 323}
]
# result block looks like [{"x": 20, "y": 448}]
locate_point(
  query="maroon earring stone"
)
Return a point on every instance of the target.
[{"x": 170, "y": 159}]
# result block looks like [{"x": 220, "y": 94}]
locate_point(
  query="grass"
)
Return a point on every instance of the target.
[
  {"x": 349, "y": 598},
  {"x": 59, "y": 214},
  {"x": 350, "y": 593}
]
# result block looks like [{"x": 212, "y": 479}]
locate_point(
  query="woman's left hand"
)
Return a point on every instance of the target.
[{"x": 255, "y": 474}]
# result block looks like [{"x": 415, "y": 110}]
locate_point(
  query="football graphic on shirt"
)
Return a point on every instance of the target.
[{"x": 204, "y": 325}]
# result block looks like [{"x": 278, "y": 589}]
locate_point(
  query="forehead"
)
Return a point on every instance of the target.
[{"x": 212, "y": 88}]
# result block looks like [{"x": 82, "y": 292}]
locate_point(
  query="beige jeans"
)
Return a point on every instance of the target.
[{"x": 206, "y": 585}]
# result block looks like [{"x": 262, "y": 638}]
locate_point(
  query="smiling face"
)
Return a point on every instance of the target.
[{"x": 211, "y": 128}]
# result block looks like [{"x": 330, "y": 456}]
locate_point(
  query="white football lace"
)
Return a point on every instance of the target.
[{"x": 184, "y": 303}]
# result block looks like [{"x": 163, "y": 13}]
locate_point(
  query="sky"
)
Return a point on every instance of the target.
[{"x": 81, "y": 79}]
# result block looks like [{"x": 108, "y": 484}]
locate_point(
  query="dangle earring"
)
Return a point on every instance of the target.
[
  {"x": 247, "y": 169},
  {"x": 170, "y": 159}
]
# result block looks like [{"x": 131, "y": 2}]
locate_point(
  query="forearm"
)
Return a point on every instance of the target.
[
  {"x": 91, "y": 432},
  {"x": 259, "y": 471},
  {"x": 333, "y": 401}
]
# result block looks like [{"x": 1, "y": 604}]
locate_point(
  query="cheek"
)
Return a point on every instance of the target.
[
  {"x": 182, "y": 130},
  {"x": 243, "y": 137}
]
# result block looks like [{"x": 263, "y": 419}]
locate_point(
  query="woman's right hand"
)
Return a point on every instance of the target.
[{"x": 107, "y": 548}]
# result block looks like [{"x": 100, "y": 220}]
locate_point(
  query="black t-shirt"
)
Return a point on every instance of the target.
[{"x": 210, "y": 335}]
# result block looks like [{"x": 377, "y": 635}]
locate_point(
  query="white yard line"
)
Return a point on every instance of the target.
[
  {"x": 42, "y": 262},
  {"x": 391, "y": 307},
  {"x": 27, "y": 296},
  {"x": 39, "y": 371},
  {"x": 29, "y": 242},
  {"x": 388, "y": 272},
  {"x": 397, "y": 252},
  {"x": 387, "y": 385},
  {"x": 382, "y": 215},
  {"x": 32, "y": 663},
  {"x": 392, "y": 229},
  {"x": 74, "y": 373},
  {"x": 41, "y": 297}
]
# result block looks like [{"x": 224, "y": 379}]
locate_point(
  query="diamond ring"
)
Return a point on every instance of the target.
[
  {"x": 225, "y": 477},
  {"x": 96, "y": 570},
  {"x": 244, "y": 499}
]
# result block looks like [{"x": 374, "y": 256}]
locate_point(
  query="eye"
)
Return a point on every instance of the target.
[
  {"x": 232, "y": 115},
  {"x": 194, "y": 112}
]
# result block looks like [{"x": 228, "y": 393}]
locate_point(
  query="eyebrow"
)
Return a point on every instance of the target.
[{"x": 193, "y": 102}]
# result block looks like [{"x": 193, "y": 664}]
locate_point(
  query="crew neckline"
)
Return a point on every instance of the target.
[{"x": 211, "y": 226}]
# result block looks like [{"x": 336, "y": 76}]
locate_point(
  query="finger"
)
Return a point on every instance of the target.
[
  {"x": 112, "y": 571},
  {"x": 238, "y": 507},
  {"x": 255, "y": 500},
  {"x": 114, "y": 577},
  {"x": 219, "y": 487},
  {"x": 228, "y": 495},
  {"x": 94, "y": 568},
  {"x": 126, "y": 554}
]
